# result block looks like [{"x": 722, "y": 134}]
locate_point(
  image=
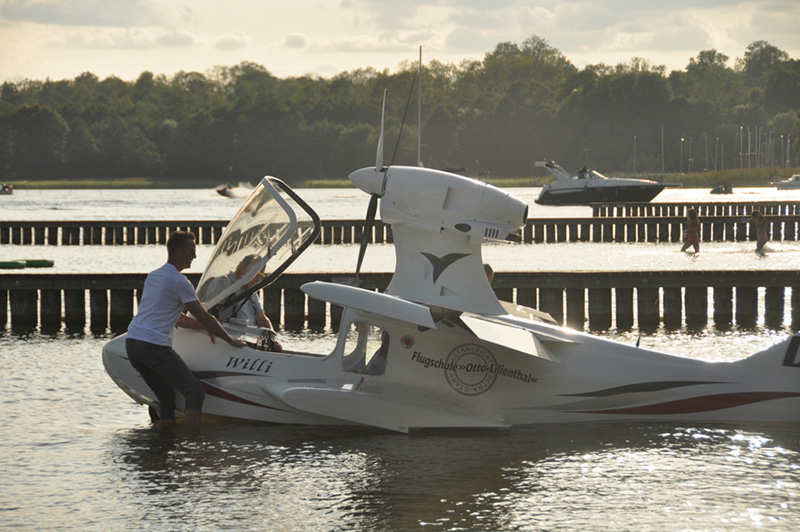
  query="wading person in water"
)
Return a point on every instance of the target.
[
  {"x": 691, "y": 236},
  {"x": 760, "y": 223},
  {"x": 149, "y": 340}
]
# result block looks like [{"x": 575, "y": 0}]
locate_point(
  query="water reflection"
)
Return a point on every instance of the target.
[
  {"x": 80, "y": 455},
  {"x": 550, "y": 477}
]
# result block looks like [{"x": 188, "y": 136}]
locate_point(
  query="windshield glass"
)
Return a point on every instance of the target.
[{"x": 267, "y": 233}]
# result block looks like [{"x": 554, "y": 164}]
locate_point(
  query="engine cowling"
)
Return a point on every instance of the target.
[{"x": 439, "y": 221}]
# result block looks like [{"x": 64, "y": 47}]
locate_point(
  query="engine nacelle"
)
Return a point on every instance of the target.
[
  {"x": 439, "y": 221},
  {"x": 433, "y": 200}
]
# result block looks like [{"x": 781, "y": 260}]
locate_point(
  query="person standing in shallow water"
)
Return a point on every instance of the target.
[
  {"x": 691, "y": 236},
  {"x": 759, "y": 221},
  {"x": 149, "y": 340}
]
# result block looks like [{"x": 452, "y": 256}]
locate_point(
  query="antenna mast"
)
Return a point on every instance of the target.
[{"x": 419, "y": 110}]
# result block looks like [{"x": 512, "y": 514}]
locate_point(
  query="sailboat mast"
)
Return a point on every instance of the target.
[{"x": 419, "y": 109}]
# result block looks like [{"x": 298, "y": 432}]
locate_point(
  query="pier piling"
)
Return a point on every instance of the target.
[
  {"x": 599, "y": 309},
  {"x": 746, "y": 306},
  {"x": 624, "y": 300},
  {"x": 648, "y": 308},
  {"x": 621, "y": 300},
  {"x": 98, "y": 309},
  {"x": 696, "y": 302},
  {"x": 75, "y": 309},
  {"x": 673, "y": 311},
  {"x": 723, "y": 307}
]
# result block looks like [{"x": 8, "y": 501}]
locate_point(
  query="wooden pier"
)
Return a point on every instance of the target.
[
  {"x": 703, "y": 208},
  {"x": 596, "y": 301},
  {"x": 542, "y": 230},
  {"x": 121, "y": 232}
]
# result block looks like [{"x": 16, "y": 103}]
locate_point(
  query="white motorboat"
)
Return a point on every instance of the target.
[
  {"x": 438, "y": 349},
  {"x": 788, "y": 184},
  {"x": 590, "y": 186},
  {"x": 6, "y": 189}
]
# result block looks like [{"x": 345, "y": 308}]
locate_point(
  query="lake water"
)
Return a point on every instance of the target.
[
  {"x": 330, "y": 204},
  {"x": 77, "y": 454}
]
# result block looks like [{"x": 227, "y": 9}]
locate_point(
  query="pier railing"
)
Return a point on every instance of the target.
[
  {"x": 598, "y": 301},
  {"x": 703, "y": 208},
  {"x": 542, "y": 230},
  {"x": 130, "y": 232}
]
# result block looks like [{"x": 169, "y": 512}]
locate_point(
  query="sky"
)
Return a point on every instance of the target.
[{"x": 61, "y": 39}]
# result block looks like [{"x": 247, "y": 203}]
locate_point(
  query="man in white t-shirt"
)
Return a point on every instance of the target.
[{"x": 149, "y": 340}]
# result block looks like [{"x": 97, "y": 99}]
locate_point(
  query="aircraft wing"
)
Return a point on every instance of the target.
[
  {"x": 511, "y": 336},
  {"x": 371, "y": 302}
]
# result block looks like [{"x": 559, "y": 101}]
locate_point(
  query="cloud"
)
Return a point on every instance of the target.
[
  {"x": 779, "y": 24},
  {"x": 470, "y": 39},
  {"x": 127, "y": 39},
  {"x": 176, "y": 38},
  {"x": 233, "y": 41},
  {"x": 382, "y": 14},
  {"x": 60, "y": 37},
  {"x": 115, "y": 13},
  {"x": 388, "y": 41},
  {"x": 295, "y": 41}
]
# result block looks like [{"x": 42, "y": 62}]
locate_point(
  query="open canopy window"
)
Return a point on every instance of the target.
[{"x": 271, "y": 229}]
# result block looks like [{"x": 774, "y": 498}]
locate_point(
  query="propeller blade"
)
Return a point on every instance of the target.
[
  {"x": 379, "y": 154},
  {"x": 368, "y": 223}
]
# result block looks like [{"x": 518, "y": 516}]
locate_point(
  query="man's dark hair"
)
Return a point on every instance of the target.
[{"x": 178, "y": 239}]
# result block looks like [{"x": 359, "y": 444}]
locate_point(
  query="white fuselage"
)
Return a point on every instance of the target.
[
  {"x": 439, "y": 350},
  {"x": 448, "y": 377}
]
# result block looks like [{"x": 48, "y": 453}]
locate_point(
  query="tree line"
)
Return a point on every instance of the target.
[{"x": 521, "y": 103}]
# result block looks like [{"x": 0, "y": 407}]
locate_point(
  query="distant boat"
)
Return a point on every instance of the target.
[
  {"x": 788, "y": 184},
  {"x": 590, "y": 186},
  {"x": 6, "y": 189},
  {"x": 242, "y": 190},
  {"x": 225, "y": 190},
  {"x": 724, "y": 188}
]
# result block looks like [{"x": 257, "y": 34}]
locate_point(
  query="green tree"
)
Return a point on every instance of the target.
[
  {"x": 782, "y": 91},
  {"x": 193, "y": 153},
  {"x": 707, "y": 78},
  {"x": 38, "y": 141},
  {"x": 759, "y": 58},
  {"x": 521, "y": 102},
  {"x": 81, "y": 150}
]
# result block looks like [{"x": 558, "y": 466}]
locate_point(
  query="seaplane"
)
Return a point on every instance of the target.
[{"x": 437, "y": 349}]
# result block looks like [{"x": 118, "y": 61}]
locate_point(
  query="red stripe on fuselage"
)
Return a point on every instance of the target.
[
  {"x": 210, "y": 389},
  {"x": 705, "y": 403}
]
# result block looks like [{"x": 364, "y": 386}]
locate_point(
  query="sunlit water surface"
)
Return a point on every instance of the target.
[
  {"x": 330, "y": 204},
  {"x": 77, "y": 454}
]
